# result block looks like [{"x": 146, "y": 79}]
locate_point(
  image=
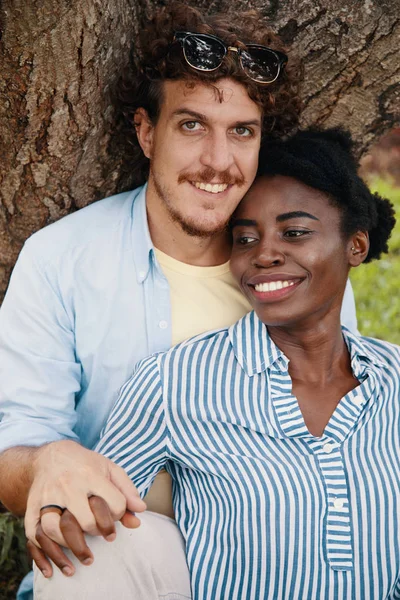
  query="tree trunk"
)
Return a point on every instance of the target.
[{"x": 58, "y": 61}]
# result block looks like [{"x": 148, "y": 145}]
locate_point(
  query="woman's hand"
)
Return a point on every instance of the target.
[{"x": 75, "y": 539}]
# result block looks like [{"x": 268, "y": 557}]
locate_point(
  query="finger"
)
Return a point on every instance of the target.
[
  {"x": 50, "y": 524},
  {"x": 103, "y": 516},
  {"x": 31, "y": 521},
  {"x": 130, "y": 521},
  {"x": 121, "y": 481},
  {"x": 53, "y": 552},
  {"x": 80, "y": 508},
  {"x": 75, "y": 538},
  {"x": 39, "y": 557}
]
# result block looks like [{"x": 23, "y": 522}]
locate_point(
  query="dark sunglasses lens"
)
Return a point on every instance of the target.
[
  {"x": 203, "y": 52},
  {"x": 261, "y": 64}
]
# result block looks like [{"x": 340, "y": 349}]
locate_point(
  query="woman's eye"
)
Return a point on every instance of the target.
[
  {"x": 296, "y": 233},
  {"x": 244, "y": 240},
  {"x": 191, "y": 126}
]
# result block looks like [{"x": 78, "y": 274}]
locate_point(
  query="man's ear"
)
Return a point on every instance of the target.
[
  {"x": 358, "y": 248},
  {"x": 144, "y": 131}
]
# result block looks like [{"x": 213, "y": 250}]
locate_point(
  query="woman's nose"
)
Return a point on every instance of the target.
[{"x": 268, "y": 254}]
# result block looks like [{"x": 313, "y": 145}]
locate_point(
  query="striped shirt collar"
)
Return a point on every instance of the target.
[{"x": 255, "y": 351}]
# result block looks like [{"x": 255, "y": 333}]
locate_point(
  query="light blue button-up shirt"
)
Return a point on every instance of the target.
[{"x": 87, "y": 300}]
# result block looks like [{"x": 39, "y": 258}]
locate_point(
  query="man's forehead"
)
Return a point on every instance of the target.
[
  {"x": 219, "y": 91},
  {"x": 197, "y": 94}
]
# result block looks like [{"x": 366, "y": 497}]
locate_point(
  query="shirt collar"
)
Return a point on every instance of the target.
[
  {"x": 361, "y": 353},
  {"x": 142, "y": 245},
  {"x": 255, "y": 351},
  {"x": 253, "y": 348}
]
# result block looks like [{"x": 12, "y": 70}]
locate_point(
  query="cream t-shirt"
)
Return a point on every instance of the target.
[{"x": 202, "y": 299}]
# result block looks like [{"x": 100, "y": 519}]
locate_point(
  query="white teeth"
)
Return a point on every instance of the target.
[
  {"x": 214, "y": 188},
  {"x": 272, "y": 286}
]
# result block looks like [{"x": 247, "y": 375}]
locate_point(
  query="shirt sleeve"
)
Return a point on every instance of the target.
[
  {"x": 348, "y": 315},
  {"x": 135, "y": 436},
  {"x": 39, "y": 375}
]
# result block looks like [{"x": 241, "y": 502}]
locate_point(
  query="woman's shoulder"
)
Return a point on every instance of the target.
[{"x": 383, "y": 351}]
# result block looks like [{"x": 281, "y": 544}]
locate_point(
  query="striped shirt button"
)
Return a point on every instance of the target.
[
  {"x": 328, "y": 448},
  {"x": 338, "y": 503},
  {"x": 358, "y": 400}
]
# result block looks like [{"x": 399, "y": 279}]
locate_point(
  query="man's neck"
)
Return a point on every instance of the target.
[{"x": 169, "y": 237}]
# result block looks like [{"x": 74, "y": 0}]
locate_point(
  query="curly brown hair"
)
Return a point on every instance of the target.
[{"x": 154, "y": 59}]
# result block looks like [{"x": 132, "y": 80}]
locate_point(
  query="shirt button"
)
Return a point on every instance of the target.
[
  {"x": 338, "y": 503},
  {"x": 327, "y": 448},
  {"x": 163, "y": 324},
  {"x": 142, "y": 274},
  {"x": 358, "y": 400}
]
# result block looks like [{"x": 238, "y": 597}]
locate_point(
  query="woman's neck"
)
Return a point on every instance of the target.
[{"x": 317, "y": 352}]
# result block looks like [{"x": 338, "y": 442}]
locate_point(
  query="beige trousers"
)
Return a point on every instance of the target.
[{"x": 147, "y": 563}]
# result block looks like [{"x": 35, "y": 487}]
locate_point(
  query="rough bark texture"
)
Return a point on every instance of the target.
[{"x": 59, "y": 59}]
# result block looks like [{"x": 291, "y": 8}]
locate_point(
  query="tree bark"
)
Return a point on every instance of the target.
[{"x": 58, "y": 61}]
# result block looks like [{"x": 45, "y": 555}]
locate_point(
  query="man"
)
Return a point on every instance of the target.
[{"x": 88, "y": 297}]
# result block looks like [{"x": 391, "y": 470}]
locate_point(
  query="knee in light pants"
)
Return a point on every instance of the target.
[{"x": 147, "y": 563}]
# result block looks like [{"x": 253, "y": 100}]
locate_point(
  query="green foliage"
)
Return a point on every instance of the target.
[
  {"x": 376, "y": 285},
  {"x": 13, "y": 557}
]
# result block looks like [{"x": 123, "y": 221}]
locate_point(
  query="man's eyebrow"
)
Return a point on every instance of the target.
[
  {"x": 244, "y": 222},
  {"x": 295, "y": 214},
  {"x": 200, "y": 117},
  {"x": 190, "y": 113},
  {"x": 251, "y": 123}
]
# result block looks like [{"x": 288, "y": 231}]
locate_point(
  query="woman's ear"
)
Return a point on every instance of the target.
[
  {"x": 358, "y": 248},
  {"x": 144, "y": 131}
]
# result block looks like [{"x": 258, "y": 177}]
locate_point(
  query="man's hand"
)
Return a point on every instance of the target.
[{"x": 68, "y": 475}]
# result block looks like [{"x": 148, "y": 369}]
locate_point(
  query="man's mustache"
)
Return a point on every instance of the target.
[{"x": 209, "y": 175}]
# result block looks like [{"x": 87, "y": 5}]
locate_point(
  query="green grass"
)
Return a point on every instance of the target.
[
  {"x": 13, "y": 557},
  {"x": 376, "y": 285}
]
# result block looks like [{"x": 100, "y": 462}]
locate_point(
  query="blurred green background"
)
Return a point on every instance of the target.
[{"x": 376, "y": 285}]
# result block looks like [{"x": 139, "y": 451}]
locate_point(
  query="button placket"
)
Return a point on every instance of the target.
[{"x": 338, "y": 531}]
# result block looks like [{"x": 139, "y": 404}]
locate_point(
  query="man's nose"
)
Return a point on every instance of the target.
[{"x": 217, "y": 153}]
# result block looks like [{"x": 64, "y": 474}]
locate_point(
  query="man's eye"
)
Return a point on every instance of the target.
[
  {"x": 243, "y": 131},
  {"x": 191, "y": 126}
]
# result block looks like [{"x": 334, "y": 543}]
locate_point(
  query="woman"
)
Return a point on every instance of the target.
[{"x": 281, "y": 433}]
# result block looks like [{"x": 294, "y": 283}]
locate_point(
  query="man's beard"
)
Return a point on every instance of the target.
[{"x": 190, "y": 226}]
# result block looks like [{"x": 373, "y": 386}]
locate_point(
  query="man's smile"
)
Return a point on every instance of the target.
[{"x": 213, "y": 188}]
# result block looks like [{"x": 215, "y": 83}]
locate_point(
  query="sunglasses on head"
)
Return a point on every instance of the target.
[{"x": 205, "y": 52}]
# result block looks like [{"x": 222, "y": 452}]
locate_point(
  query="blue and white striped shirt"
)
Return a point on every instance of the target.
[{"x": 269, "y": 511}]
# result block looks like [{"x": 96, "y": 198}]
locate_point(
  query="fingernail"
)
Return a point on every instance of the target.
[
  {"x": 67, "y": 571},
  {"x": 111, "y": 537},
  {"x": 87, "y": 561},
  {"x": 131, "y": 512},
  {"x": 45, "y": 573}
]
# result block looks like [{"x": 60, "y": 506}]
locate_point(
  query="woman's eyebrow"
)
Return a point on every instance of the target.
[
  {"x": 295, "y": 214},
  {"x": 245, "y": 222}
]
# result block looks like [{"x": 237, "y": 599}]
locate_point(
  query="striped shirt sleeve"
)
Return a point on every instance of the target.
[{"x": 135, "y": 436}]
